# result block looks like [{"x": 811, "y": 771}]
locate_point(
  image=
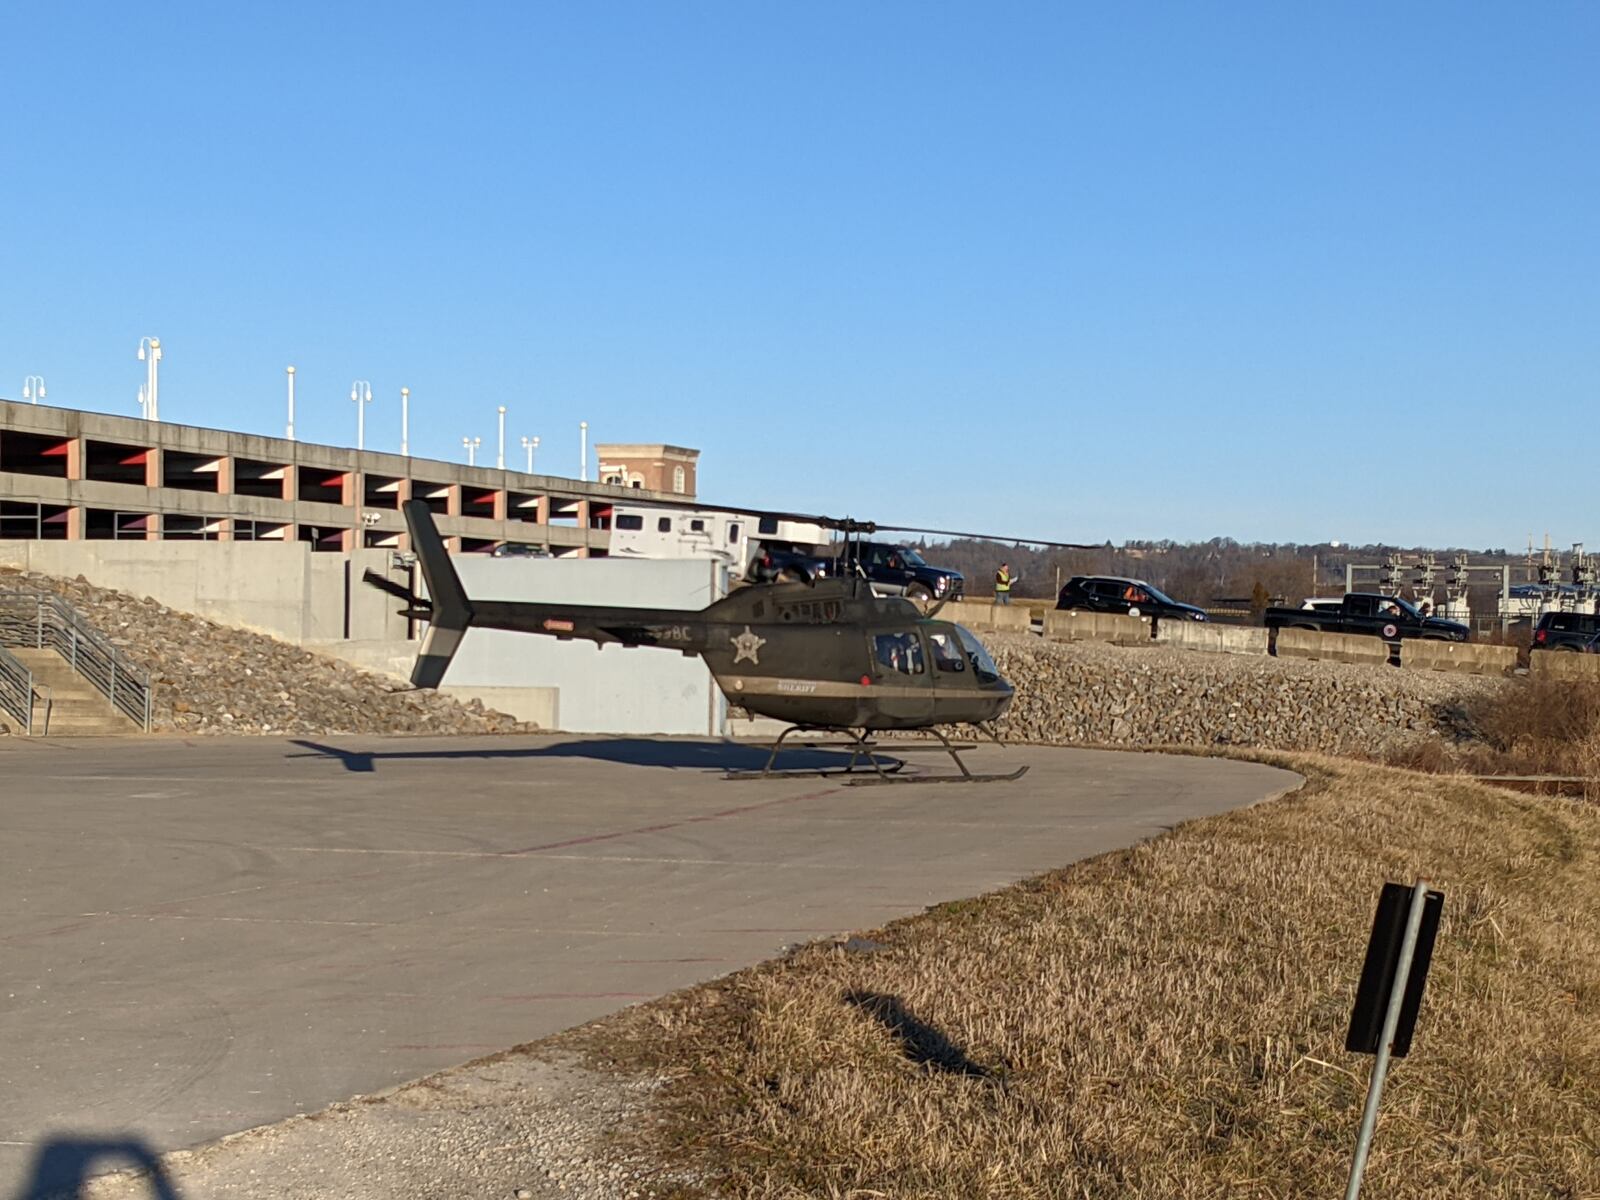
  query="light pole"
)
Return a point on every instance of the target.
[
  {"x": 290, "y": 370},
  {"x": 405, "y": 421},
  {"x": 361, "y": 396},
  {"x": 500, "y": 451},
  {"x": 152, "y": 359},
  {"x": 33, "y": 388},
  {"x": 472, "y": 445},
  {"x": 530, "y": 445},
  {"x": 583, "y": 450}
]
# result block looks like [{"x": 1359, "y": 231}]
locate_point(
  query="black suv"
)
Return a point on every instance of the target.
[
  {"x": 1568, "y": 631},
  {"x": 1135, "y": 597}
]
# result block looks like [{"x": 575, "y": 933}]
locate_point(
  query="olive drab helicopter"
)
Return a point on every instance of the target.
[{"x": 827, "y": 655}]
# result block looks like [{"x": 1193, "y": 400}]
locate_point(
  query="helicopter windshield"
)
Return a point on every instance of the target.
[{"x": 982, "y": 665}]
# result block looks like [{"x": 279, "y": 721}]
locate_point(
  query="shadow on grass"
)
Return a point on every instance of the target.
[
  {"x": 919, "y": 1041},
  {"x": 64, "y": 1164},
  {"x": 636, "y": 752}
]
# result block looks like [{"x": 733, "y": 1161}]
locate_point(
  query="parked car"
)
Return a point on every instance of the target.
[
  {"x": 1571, "y": 631},
  {"x": 1133, "y": 597},
  {"x": 518, "y": 550},
  {"x": 1388, "y": 617},
  {"x": 900, "y": 571}
]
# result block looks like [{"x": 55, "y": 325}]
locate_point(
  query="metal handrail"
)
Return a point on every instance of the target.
[
  {"x": 16, "y": 690},
  {"x": 42, "y": 620}
]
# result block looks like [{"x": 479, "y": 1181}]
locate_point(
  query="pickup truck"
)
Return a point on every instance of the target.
[
  {"x": 899, "y": 571},
  {"x": 779, "y": 562},
  {"x": 1388, "y": 617}
]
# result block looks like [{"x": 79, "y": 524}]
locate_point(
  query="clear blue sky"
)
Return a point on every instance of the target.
[{"x": 1277, "y": 271}]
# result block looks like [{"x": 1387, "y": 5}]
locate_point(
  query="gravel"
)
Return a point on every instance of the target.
[
  {"x": 523, "y": 1124},
  {"x": 210, "y": 678},
  {"x": 1089, "y": 692}
]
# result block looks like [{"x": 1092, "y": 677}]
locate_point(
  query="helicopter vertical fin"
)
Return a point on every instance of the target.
[{"x": 452, "y": 611}]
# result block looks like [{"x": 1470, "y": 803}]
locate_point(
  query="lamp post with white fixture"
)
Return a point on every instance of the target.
[
  {"x": 530, "y": 445},
  {"x": 361, "y": 396},
  {"x": 405, "y": 421},
  {"x": 290, "y": 432},
  {"x": 500, "y": 450},
  {"x": 472, "y": 444},
  {"x": 33, "y": 388},
  {"x": 583, "y": 450},
  {"x": 150, "y": 354}
]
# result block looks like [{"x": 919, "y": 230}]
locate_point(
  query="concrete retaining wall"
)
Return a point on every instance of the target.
[
  {"x": 1331, "y": 647},
  {"x": 1073, "y": 625},
  {"x": 1457, "y": 656},
  {"x": 1556, "y": 664},
  {"x": 976, "y": 615},
  {"x": 1218, "y": 639},
  {"x": 614, "y": 689},
  {"x": 277, "y": 588}
]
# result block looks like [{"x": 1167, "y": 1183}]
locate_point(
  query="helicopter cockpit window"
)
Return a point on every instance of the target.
[
  {"x": 982, "y": 664},
  {"x": 947, "y": 652},
  {"x": 900, "y": 652}
]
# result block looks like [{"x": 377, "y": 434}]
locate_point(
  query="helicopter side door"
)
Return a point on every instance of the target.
[{"x": 902, "y": 675}]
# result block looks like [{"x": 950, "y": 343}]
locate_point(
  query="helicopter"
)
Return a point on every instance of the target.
[{"x": 826, "y": 655}]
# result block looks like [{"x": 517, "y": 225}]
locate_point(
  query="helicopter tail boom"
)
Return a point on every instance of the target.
[{"x": 451, "y": 610}]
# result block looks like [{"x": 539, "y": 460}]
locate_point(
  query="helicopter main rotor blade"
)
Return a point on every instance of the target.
[
  {"x": 995, "y": 537},
  {"x": 850, "y": 525}
]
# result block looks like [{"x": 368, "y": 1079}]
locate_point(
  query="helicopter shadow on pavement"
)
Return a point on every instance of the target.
[
  {"x": 633, "y": 752},
  {"x": 64, "y": 1164}
]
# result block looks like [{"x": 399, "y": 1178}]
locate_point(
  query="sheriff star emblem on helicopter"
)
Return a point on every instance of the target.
[{"x": 747, "y": 646}]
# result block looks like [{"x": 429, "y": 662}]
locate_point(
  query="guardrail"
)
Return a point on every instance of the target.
[
  {"x": 16, "y": 691},
  {"x": 44, "y": 621}
]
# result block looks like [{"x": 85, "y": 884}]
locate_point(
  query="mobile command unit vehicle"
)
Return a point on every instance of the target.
[{"x": 760, "y": 549}]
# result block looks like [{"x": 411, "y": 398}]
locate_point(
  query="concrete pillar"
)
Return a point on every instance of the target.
[
  {"x": 75, "y": 522},
  {"x": 501, "y": 499},
  {"x": 453, "y": 501},
  {"x": 542, "y": 511},
  {"x": 401, "y": 497},
  {"x": 76, "y": 458},
  {"x": 583, "y": 525},
  {"x": 152, "y": 467},
  {"x": 226, "y": 472},
  {"x": 291, "y": 485}
]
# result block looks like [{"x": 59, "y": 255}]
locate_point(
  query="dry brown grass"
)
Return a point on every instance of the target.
[
  {"x": 1169, "y": 1021},
  {"x": 1533, "y": 726}
]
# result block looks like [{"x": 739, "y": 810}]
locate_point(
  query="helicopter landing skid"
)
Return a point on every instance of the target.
[{"x": 864, "y": 768}]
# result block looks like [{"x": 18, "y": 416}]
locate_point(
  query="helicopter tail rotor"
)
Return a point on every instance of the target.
[{"x": 451, "y": 611}]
